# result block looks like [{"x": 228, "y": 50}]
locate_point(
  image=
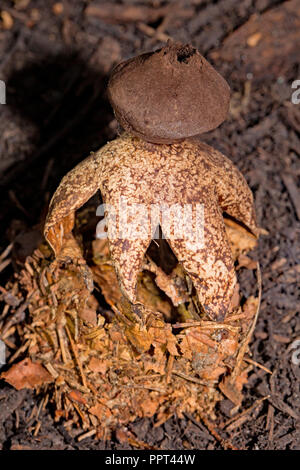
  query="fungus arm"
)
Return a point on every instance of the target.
[
  {"x": 235, "y": 196},
  {"x": 77, "y": 187},
  {"x": 209, "y": 263}
]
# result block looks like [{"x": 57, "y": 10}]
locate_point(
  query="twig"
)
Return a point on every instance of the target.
[
  {"x": 247, "y": 359},
  {"x": 123, "y": 14},
  {"x": 152, "y": 376},
  {"x": 86, "y": 435},
  {"x": 8, "y": 343},
  {"x": 32, "y": 415},
  {"x": 283, "y": 407},
  {"x": 247, "y": 338},
  {"x": 15, "y": 200},
  {"x": 238, "y": 316},
  {"x": 245, "y": 412},
  {"x": 51, "y": 370},
  {"x": 211, "y": 428},
  {"x": 37, "y": 428},
  {"x": 82, "y": 417},
  {"x": 145, "y": 387},
  {"x": 169, "y": 368},
  {"x": 206, "y": 325},
  {"x": 75, "y": 385},
  {"x": 191, "y": 379},
  {"x": 19, "y": 351},
  {"x": 270, "y": 421},
  {"x": 75, "y": 352},
  {"x": 40, "y": 407},
  {"x": 4, "y": 264},
  {"x": 162, "y": 420},
  {"x": 62, "y": 344},
  {"x": 6, "y": 252}
]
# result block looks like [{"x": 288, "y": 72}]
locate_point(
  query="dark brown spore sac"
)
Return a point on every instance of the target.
[{"x": 168, "y": 95}]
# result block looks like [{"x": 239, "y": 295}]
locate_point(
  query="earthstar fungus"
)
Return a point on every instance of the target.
[{"x": 162, "y": 99}]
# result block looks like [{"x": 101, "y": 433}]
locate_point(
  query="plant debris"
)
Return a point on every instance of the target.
[{"x": 101, "y": 373}]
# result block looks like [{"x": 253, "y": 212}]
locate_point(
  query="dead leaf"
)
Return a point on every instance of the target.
[
  {"x": 139, "y": 337},
  {"x": 75, "y": 395},
  {"x": 241, "y": 240},
  {"x": 167, "y": 283},
  {"x": 102, "y": 412},
  {"x": 230, "y": 391},
  {"x": 105, "y": 277},
  {"x": 88, "y": 312},
  {"x": 148, "y": 407},
  {"x": 27, "y": 374},
  {"x": 98, "y": 365}
]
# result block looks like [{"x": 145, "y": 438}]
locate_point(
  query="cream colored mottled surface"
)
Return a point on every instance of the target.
[{"x": 189, "y": 172}]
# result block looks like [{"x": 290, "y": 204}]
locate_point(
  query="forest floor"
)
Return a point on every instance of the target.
[{"x": 55, "y": 59}]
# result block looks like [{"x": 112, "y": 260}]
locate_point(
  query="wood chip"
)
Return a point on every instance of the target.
[{"x": 90, "y": 433}]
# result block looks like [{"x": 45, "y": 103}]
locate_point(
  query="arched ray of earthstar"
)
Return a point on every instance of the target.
[
  {"x": 201, "y": 175},
  {"x": 163, "y": 100}
]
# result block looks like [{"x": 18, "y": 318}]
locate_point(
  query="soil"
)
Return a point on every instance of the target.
[{"x": 55, "y": 61}]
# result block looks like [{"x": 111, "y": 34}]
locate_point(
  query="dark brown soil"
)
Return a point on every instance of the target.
[{"x": 56, "y": 65}]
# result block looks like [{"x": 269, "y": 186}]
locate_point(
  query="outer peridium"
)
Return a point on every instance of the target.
[{"x": 188, "y": 172}]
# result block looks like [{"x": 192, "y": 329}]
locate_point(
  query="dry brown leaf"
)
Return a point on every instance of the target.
[
  {"x": 241, "y": 241},
  {"x": 98, "y": 365},
  {"x": 105, "y": 277},
  {"x": 148, "y": 407},
  {"x": 88, "y": 312},
  {"x": 75, "y": 395},
  {"x": 230, "y": 391},
  {"x": 27, "y": 374},
  {"x": 139, "y": 337},
  {"x": 167, "y": 283},
  {"x": 102, "y": 412}
]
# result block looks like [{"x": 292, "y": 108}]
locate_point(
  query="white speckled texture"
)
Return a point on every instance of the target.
[{"x": 188, "y": 172}]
